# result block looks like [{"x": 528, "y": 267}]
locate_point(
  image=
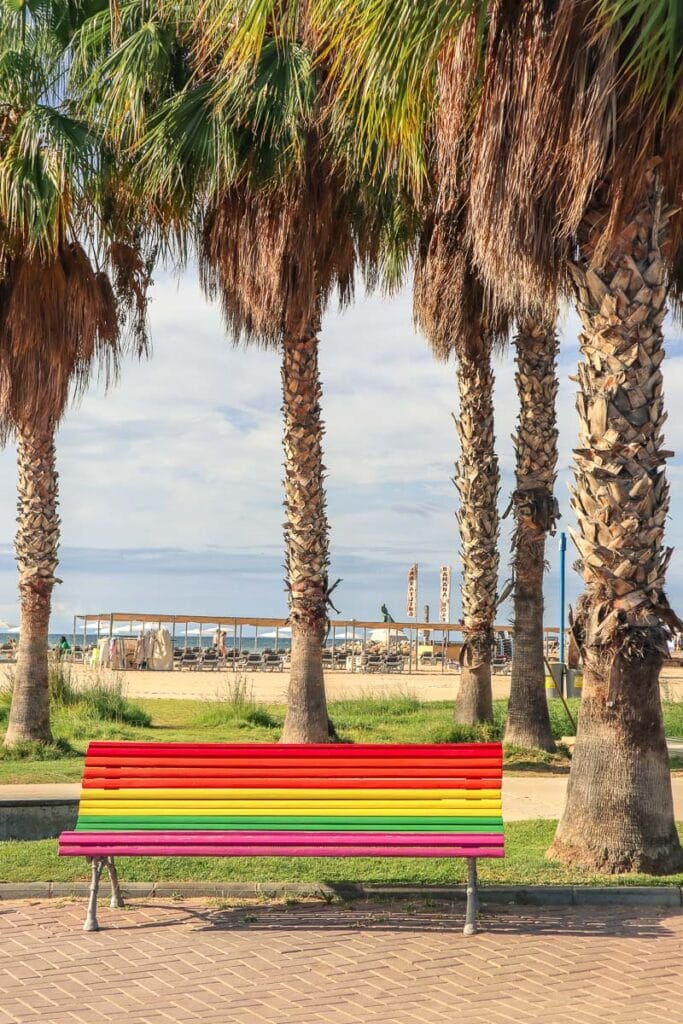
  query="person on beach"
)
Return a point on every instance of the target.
[{"x": 64, "y": 646}]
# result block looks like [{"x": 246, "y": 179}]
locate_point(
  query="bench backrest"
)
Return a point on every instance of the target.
[{"x": 387, "y": 790}]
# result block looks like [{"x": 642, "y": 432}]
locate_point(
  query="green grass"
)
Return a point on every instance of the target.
[
  {"x": 524, "y": 864},
  {"x": 106, "y": 714}
]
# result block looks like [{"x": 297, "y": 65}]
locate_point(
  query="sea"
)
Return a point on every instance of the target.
[{"x": 249, "y": 643}]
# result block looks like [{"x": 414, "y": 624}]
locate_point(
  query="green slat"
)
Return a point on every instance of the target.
[{"x": 314, "y": 824}]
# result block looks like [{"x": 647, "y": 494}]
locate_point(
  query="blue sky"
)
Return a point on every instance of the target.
[{"x": 171, "y": 496}]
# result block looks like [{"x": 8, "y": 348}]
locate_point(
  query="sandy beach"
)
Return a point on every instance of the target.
[{"x": 271, "y": 687}]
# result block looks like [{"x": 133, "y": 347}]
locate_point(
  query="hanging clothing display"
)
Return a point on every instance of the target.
[
  {"x": 162, "y": 658},
  {"x": 140, "y": 656}
]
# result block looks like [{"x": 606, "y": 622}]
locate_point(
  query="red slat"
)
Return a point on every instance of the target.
[
  {"x": 164, "y": 772},
  {"x": 286, "y": 750},
  {"x": 472, "y": 764},
  {"x": 236, "y": 782}
]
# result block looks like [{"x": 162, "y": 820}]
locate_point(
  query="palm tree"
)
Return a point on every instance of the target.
[
  {"x": 234, "y": 155},
  {"x": 575, "y": 173},
  {"x": 60, "y": 315},
  {"x": 535, "y": 512},
  {"x": 451, "y": 308},
  {"x": 457, "y": 313}
]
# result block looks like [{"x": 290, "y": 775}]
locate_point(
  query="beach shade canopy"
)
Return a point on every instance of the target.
[
  {"x": 347, "y": 633},
  {"x": 382, "y": 636},
  {"x": 207, "y": 630},
  {"x": 274, "y": 634},
  {"x": 6, "y": 628}
]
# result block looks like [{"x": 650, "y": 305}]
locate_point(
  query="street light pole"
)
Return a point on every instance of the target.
[{"x": 563, "y": 554}]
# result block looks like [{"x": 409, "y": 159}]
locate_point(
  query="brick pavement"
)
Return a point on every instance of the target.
[{"x": 368, "y": 963}]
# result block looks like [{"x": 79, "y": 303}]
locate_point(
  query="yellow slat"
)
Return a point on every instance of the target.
[
  {"x": 370, "y": 808},
  {"x": 255, "y": 794}
]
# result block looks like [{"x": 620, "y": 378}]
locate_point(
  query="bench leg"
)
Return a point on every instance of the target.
[
  {"x": 116, "y": 897},
  {"x": 91, "y": 924},
  {"x": 472, "y": 898}
]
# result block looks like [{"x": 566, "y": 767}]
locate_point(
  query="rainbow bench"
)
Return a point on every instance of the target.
[{"x": 274, "y": 800}]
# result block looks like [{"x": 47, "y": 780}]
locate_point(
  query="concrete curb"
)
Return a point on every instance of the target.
[{"x": 531, "y": 895}]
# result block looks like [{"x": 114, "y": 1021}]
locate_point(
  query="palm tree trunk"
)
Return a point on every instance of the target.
[
  {"x": 535, "y": 511},
  {"x": 36, "y": 546},
  {"x": 306, "y": 539},
  {"x": 619, "y": 810},
  {"x": 477, "y": 479}
]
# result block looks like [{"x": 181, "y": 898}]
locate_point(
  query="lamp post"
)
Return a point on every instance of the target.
[{"x": 563, "y": 555}]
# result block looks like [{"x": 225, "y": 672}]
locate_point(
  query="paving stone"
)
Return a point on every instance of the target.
[{"x": 392, "y": 961}]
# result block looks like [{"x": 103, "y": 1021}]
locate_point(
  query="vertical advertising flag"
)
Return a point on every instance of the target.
[
  {"x": 445, "y": 593},
  {"x": 411, "y": 600}
]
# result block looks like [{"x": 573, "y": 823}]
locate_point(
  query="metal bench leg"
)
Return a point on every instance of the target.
[
  {"x": 91, "y": 924},
  {"x": 116, "y": 897},
  {"x": 472, "y": 898}
]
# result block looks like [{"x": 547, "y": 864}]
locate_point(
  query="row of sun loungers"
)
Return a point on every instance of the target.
[{"x": 196, "y": 659}]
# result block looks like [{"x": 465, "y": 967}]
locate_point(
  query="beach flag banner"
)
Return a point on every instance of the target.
[
  {"x": 411, "y": 600},
  {"x": 445, "y": 594}
]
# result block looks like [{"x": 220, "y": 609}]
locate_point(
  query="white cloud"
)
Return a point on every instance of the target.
[{"x": 177, "y": 472}]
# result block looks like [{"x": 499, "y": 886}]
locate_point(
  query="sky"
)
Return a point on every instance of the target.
[{"x": 171, "y": 483}]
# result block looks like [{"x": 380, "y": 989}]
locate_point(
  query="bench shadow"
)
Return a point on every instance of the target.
[{"x": 409, "y": 915}]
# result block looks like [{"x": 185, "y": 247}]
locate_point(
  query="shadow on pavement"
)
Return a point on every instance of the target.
[{"x": 409, "y": 915}]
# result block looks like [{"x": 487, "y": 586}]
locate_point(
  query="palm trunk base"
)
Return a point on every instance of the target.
[
  {"x": 29, "y": 718},
  {"x": 474, "y": 702},
  {"x": 306, "y": 720},
  {"x": 528, "y": 720},
  {"x": 619, "y": 811},
  {"x": 533, "y": 732}
]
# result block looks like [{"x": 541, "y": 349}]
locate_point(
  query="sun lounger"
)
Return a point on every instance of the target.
[
  {"x": 372, "y": 663},
  {"x": 211, "y": 661},
  {"x": 252, "y": 662}
]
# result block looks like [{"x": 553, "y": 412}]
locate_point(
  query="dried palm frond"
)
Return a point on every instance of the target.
[
  {"x": 59, "y": 320},
  {"x": 458, "y": 87},
  {"x": 560, "y": 119},
  {"x": 274, "y": 256},
  {"x": 451, "y": 305},
  {"x": 56, "y": 318}
]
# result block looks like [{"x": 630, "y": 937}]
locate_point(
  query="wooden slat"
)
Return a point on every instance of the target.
[
  {"x": 284, "y": 751},
  {"x": 115, "y": 782}
]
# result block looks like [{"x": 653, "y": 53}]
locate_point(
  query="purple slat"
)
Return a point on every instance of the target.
[
  {"x": 239, "y": 836},
  {"x": 276, "y": 849}
]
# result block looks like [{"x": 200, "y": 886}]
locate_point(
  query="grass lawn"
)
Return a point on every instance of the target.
[
  {"x": 524, "y": 864},
  {"x": 405, "y": 719}
]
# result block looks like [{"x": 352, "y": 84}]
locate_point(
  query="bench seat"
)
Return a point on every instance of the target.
[{"x": 287, "y": 800}]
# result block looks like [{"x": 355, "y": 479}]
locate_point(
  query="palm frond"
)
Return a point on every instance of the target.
[{"x": 650, "y": 34}]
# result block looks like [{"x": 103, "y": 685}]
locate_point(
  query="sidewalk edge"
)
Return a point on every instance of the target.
[{"x": 521, "y": 895}]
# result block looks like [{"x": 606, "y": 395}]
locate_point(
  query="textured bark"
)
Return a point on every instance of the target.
[
  {"x": 477, "y": 479},
  {"x": 306, "y": 539},
  {"x": 37, "y": 540},
  {"x": 619, "y": 810},
  {"x": 535, "y": 510}
]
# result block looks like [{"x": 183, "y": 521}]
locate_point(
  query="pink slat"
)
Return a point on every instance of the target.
[
  {"x": 276, "y": 850},
  {"x": 237, "y": 837}
]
